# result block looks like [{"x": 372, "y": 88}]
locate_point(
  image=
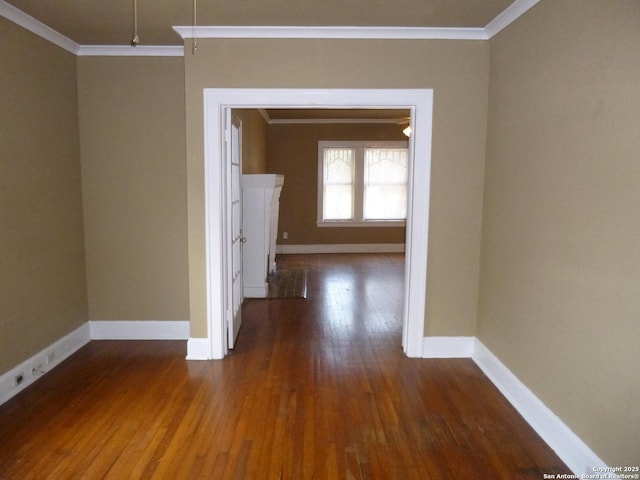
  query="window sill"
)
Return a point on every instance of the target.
[{"x": 369, "y": 223}]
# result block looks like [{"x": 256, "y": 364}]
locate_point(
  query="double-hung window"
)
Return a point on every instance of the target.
[{"x": 362, "y": 183}]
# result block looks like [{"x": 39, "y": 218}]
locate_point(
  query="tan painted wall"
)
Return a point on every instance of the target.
[
  {"x": 560, "y": 298},
  {"x": 458, "y": 73},
  {"x": 134, "y": 187},
  {"x": 254, "y": 140},
  {"x": 42, "y": 271},
  {"x": 293, "y": 152}
]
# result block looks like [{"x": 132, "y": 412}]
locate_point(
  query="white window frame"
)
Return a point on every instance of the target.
[{"x": 358, "y": 199}]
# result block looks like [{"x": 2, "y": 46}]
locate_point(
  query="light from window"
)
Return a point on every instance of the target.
[
  {"x": 362, "y": 183},
  {"x": 385, "y": 183},
  {"x": 338, "y": 183}
]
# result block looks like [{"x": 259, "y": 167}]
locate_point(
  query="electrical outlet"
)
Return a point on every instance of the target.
[
  {"x": 285, "y": 235},
  {"x": 18, "y": 379}
]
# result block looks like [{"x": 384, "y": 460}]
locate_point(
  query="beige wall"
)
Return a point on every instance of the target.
[
  {"x": 458, "y": 73},
  {"x": 560, "y": 267},
  {"x": 293, "y": 152},
  {"x": 254, "y": 140},
  {"x": 560, "y": 297},
  {"x": 134, "y": 187},
  {"x": 42, "y": 271}
]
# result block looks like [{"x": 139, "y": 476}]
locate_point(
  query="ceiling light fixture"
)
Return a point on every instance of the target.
[{"x": 135, "y": 40}]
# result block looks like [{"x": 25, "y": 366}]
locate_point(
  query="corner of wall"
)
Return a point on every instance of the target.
[{"x": 26, "y": 373}]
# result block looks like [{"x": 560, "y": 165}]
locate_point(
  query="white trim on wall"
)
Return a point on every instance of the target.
[
  {"x": 420, "y": 104},
  {"x": 129, "y": 51},
  {"x": 45, "y": 360},
  {"x": 508, "y": 16},
  {"x": 139, "y": 329},
  {"x": 288, "y": 249},
  {"x": 568, "y": 446},
  {"x": 447, "y": 347},
  {"x": 199, "y": 349},
  {"x": 333, "y": 121},
  {"x": 334, "y": 32},
  {"x": 42, "y": 362},
  {"x": 36, "y": 27},
  {"x": 256, "y": 291}
]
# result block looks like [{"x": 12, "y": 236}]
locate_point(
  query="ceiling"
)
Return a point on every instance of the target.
[{"x": 110, "y": 22}]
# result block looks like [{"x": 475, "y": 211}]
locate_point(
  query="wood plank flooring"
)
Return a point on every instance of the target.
[
  {"x": 316, "y": 388},
  {"x": 290, "y": 283}
]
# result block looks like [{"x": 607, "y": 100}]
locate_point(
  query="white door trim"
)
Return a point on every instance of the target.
[{"x": 419, "y": 101}]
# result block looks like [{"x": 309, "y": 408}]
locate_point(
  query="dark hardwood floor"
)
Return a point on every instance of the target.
[{"x": 316, "y": 388}]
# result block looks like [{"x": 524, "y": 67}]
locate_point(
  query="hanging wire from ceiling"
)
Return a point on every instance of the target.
[
  {"x": 195, "y": 25},
  {"x": 135, "y": 40}
]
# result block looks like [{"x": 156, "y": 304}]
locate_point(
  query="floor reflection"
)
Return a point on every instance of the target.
[{"x": 357, "y": 295}]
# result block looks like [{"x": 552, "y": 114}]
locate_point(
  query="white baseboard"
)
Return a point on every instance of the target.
[
  {"x": 198, "y": 349},
  {"x": 567, "y": 445},
  {"x": 260, "y": 291},
  {"x": 42, "y": 362},
  {"x": 139, "y": 330},
  {"x": 285, "y": 249},
  {"x": 447, "y": 347}
]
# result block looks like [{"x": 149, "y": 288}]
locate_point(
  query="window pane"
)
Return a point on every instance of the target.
[
  {"x": 385, "y": 183},
  {"x": 338, "y": 165},
  {"x": 338, "y": 183},
  {"x": 385, "y": 202},
  {"x": 338, "y": 202},
  {"x": 386, "y": 165}
]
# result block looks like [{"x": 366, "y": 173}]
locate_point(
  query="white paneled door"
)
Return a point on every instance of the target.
[{"x": 234, "y": 217}]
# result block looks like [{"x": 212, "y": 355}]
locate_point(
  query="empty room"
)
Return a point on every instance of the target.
[{"x": 473, "y": 314}]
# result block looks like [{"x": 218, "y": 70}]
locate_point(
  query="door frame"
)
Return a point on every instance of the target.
[{"x": 420, "y": 104}]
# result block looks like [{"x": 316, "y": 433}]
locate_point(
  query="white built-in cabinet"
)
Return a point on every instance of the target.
[{"x": 260, "y": 210}]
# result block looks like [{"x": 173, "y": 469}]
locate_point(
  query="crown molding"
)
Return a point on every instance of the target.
[
  {"x": 320, "y": 121},
  {"x": 301, "y": 121},
  {"x": 508, "y": 16},
  {"x": 36, "y": 27},
  {"x": 265, "y": 114},
  {"x": 129, "y": 51},
  {"x": 378, "y": 33}
]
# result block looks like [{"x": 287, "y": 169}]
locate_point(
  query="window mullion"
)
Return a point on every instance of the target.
[
  {"x": 354, "y": 180},
  {"x": 358, "y": 204}
]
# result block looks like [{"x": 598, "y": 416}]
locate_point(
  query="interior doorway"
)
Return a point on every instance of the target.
[{"x": 217, "y": 105}]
